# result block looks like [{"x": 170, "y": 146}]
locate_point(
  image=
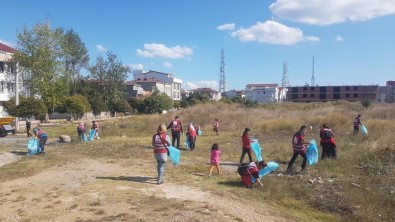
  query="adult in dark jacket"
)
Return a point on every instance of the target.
[
  {"x": 357, "y": 123},
  {"x": 176, "y": 131},
  {"x": 327, "y": 142},
  {"x": 299, "y": 148}
]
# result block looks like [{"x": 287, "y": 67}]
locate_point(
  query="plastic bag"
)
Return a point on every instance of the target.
[
  {"x": 256, "y": 148},
  {"x": 200, "y": 132},
  {"x": 187, "y": 142},
  {"x": 174, "y": 155},
  {"x": 91, "y": 134},
  {"x": 269, "y": 168},
  {"x": 364, "y": 131},
  {"x": 312, "y": 153},
  {"x": 32, "y": 147}
]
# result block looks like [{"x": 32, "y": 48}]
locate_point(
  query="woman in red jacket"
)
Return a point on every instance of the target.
[
  {"x": 160, "y": 141},
  {"x": 245, "y": 138}
]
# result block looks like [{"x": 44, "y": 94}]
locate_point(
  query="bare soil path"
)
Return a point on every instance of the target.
[{"x": 92, "y": 190}]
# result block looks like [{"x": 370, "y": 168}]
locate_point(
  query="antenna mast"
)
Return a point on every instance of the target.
[
  {"x": 285, "y": 82},
  {"x": 222, "y": 81},
  {"x": 312, "y": 77}
]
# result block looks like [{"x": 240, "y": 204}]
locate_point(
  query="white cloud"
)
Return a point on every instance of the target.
[
  {"x": 272, "y": 32},
  {"x": 227, "y": 26},
  {"x": 155, "y": 50},
  {"x": 339, "y": 39},
  {"x": 167, "y": 64},
  {"x": 202, "y": 84},
  {"x": 326, "y": 12},
  {"x": 101, "y": 48},
  {"x": 136, "y": 66}
]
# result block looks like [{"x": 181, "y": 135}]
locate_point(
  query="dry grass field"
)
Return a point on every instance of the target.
[{"x": 113, "y": 179}]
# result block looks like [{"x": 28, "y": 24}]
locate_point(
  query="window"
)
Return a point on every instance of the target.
[
  {"x": 347, "y": 88},
  {"x": 355, "y": 87},
  {"x": 336, "y": 96},
  {"x": 304, "y": 88},
  {"x": 322, "y": 89},
  {"x": 355, "y": 95},
  {"x": 322, "y": 96},
  {"x": 304, "y": 95},
  {"x": 294, "y": 90},
  {"x": 312, "y": 95},
  {"x": 336, "y": 89},
  {"x": 311, "y": 88},
  {"x": 347, "y": 95},
  {"x": 294, "y": 96}
]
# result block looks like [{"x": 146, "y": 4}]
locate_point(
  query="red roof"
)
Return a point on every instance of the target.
[
  {"x": 391, "y": 83},
  {"x": 262, "y": 85},
  {"x": 6, "y": 48}
]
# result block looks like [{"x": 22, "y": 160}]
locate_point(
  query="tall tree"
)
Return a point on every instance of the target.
[
  {"x": 111, "y": 75},
  {"x": 47, "y": 55},
  {"x": 76, "y": 57}
]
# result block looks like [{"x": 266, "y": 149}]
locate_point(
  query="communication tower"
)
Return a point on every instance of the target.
[
  {"x": 222, "y": 81},
  {"x": 312, "y": 77},
  {"x": 285, "y": 81}
]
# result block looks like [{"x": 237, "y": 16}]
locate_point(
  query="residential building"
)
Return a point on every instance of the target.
[
  {"x": 212, "y": 94},
  {"x": 390, "y": 87},
  {"x": 152, "y": 84},
  {"x": 234, "y": 93},
  {"x": 133, "y": 90},
  {"x": 332, "y": 93},
  {"x": 8, "y": 78},
  {"x": 172, "y": 85},
  {"x": 382, "y": 94},
  {"x": 262, "y": 93}
]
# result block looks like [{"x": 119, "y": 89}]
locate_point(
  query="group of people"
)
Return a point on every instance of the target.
[
  {"x": 192, "y": 132},
  {"x": 81, "y": 130},
  {"x": 249, "y": 170}
]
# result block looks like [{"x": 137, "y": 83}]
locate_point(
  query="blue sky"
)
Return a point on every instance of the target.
[{"x": 353, "y": 41}]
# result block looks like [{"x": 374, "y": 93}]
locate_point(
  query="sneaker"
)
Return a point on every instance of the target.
[{"x": 160, "y": 182}]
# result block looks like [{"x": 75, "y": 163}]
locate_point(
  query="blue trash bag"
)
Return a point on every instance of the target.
[
  {"x": 33, "y": 147},
  {"x": 269, "y": 168},
  {"x": 200, "y": 132},
  {"x": 312, "y": 153},
  {"x": 364, "y": 131},
  {"x": 174, "y": 155},
  {"x": 91, "y": 134},
  {"x": 186, "y": 142},
  {"x": 256, "y": 148},
  {"x": 84, "y": 138}
]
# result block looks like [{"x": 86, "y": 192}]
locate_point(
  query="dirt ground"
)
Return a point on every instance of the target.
[{"x": 94, "y": 190}]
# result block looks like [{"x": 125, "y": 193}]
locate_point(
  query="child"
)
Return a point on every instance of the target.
[
  {"x": 215, "y": 154},
  {"x": 216, "y": 126},
  {"x": 95, "y": 126}
]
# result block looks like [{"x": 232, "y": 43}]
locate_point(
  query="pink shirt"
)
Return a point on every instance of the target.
[{"x": 215, "y": 156}]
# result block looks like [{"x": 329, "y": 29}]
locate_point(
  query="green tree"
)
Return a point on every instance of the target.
[
  {"x": 76, "y": 57},
  {"x": 155, "y": 103},
  {"x": 47, "y": 55},
  {"x": 120, "y": 106},
  {"x": 111, "y": 75},
  {"x": 10, "y": 105},
  {"x": 77, "y": 105},
  {"x": 32, "y": 107}
]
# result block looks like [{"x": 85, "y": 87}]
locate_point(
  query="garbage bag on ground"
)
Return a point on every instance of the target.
[
  {"x": 269, "y": 168},
  {"x": 33, "y": 147}
]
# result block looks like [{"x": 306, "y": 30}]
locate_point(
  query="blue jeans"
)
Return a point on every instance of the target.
[
  {"x": 161, "y": 159},
  {"x": 42, "y": 141}
]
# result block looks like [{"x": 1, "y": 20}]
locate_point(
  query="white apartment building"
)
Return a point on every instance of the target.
[
  {"x": 263, "y": 93},
  {"x": 8, "y": 78},
  {"x": 173, "y": 90}
]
